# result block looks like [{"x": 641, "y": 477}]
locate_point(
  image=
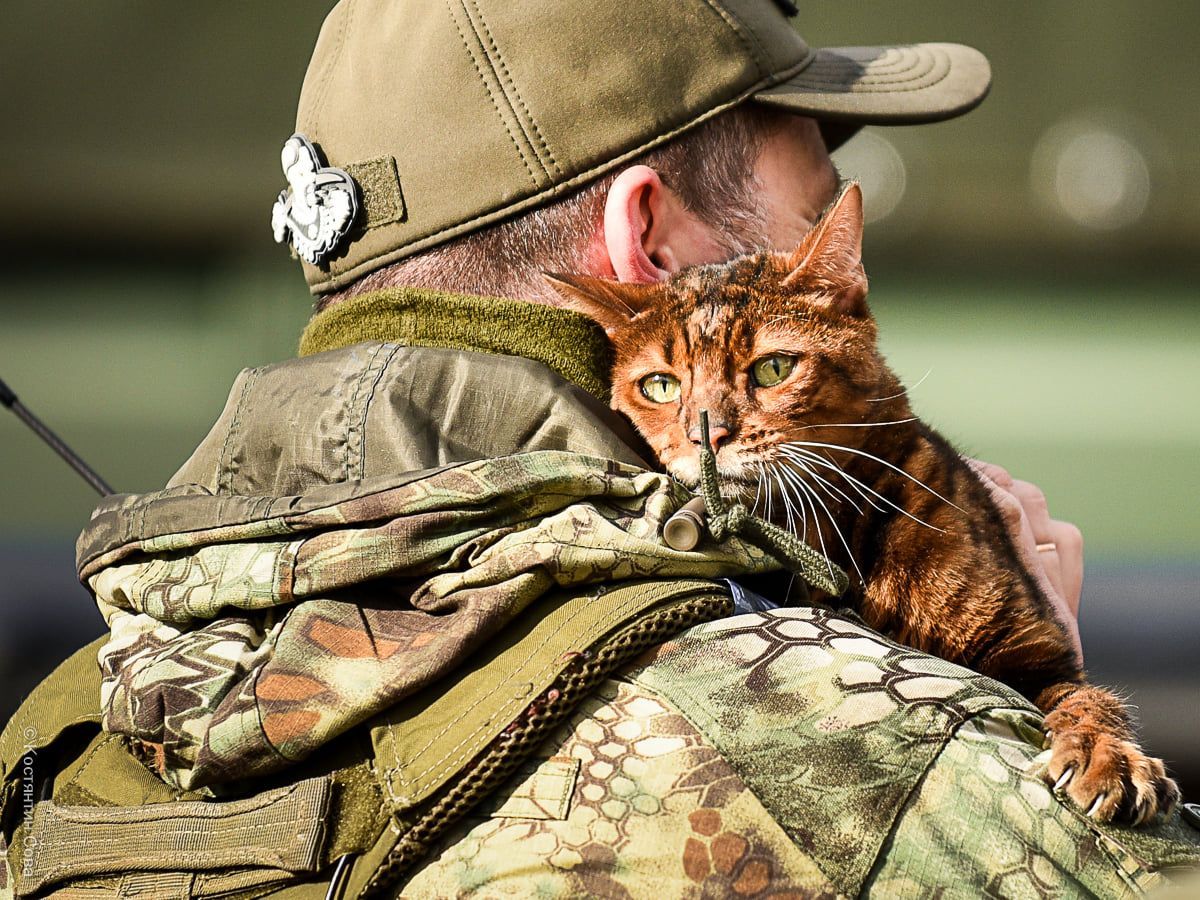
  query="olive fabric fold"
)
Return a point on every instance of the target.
[{"x": 238, "y": 649}]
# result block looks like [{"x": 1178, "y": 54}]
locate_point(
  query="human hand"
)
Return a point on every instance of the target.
[{"x": 1051, "y": 550}]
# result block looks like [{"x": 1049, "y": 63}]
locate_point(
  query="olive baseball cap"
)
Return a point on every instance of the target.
[{"x": 439, "y": 118}]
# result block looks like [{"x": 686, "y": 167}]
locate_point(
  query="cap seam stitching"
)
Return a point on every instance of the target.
[
  {"x": 491, "y": 95},
  {"x": 327, "y": 77},
  {"x": 512, "y": 85},
  {"x": 504, "y": 89},
  {"x": 748, "y": 39},
  {"x": 920, "y": 68},
  {"x": 839, "y": 64}
]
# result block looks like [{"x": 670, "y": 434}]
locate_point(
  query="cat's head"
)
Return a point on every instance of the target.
[{"x": 777, "y": 347}]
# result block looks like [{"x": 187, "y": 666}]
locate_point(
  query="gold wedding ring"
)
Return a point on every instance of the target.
[{"x": 1047, "y": 547}]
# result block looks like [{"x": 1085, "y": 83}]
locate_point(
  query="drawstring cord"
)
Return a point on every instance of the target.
[{"x": 816, "y": 569}]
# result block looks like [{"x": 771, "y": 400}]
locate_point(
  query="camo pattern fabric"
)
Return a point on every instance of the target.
[
  {"x": 236, "y": 651},
  {"x": 794, "y": 754},
  {"x": 654, "y": 811}
]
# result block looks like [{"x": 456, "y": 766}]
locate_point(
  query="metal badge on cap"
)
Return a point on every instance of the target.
[{"x": 315, "y": 213}]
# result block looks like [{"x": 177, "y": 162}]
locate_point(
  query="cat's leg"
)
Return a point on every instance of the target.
[
  {"x": 960, "y": 591},
  {"x": 1095, "y": 758}
]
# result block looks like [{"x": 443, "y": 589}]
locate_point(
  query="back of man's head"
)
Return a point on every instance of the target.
[
  {"x": 710, "y": 169},
  {"x": 444, "y": 139}
]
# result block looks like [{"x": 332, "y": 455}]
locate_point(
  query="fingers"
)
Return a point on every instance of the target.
[
  {"x": 1050, "y": 550},
  {"x": 1033, "y": 501},
  {"x": 1037, "y": 528},
  {"x": 997, "y": 474},
  {"x": 1051, "y": 563},
  {"x": 1059, "y": 544},
  {"x": 1068, "y": 555}
]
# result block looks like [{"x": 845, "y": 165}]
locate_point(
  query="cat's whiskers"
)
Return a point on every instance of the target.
[
  {"x": 911, "y": 387},
  {"x": 803, "y": 513},
  {"x": 785, "y": 481},
  {"x": 770, "y": 505},
  {"x": 820, "y": 533},
  {"x": 788, "y": 512},
  {"x": 805, "y": 489},
  {"x": 774, "y": 486},
  {"x": 859, "y": 486},
  {"x": 772, "y": 491},
  {"x": 854, "y": 482},
  {"x": 871, "y": 456},
  {"x": 758, "y": 488},
  {"x": 813, "y": 458},
  {"x": 827, "y": 486},
  {"x": 777, "y": 487},
  {"x": 868, "y": 495},
  {"x": 804, "y": 534},
  {"x": 783, "y": 498},
  {"x": 857, "y": 424},
  {"x": 803, "y": 519}
]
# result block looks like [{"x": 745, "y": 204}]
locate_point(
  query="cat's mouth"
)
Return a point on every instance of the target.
[
  {"x": 739, "y": 481},
  {"x": 736, "y": 489},
  {"x": 739, "y": 490}
]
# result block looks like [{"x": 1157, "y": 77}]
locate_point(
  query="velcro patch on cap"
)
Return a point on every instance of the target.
[{"x": 381, "y": 194}]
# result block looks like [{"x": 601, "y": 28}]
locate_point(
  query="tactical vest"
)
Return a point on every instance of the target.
[{"x": 83, "y": 817}]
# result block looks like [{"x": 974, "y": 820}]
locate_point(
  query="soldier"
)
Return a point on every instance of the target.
[{"x": 403, "y": 624}]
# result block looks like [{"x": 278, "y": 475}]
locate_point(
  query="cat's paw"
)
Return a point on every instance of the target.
[{"x": 1106, "y": 776}]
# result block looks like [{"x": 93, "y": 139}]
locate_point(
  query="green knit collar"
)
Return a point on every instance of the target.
[{"x": 568, "y": 343}]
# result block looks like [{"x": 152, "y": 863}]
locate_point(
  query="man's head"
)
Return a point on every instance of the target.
[
  {"x": 748, "y": 179},
  {"x": 625, "y": 138}
]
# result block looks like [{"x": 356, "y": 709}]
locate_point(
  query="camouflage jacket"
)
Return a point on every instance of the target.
[{"x": 397, "y": 569}]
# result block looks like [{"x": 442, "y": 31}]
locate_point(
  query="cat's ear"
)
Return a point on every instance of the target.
[
  {"x": 610, "y": 304},
  {"x": 828, "y": 262}
]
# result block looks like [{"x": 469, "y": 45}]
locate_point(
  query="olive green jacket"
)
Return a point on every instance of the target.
[{"x": 785, "y": 752}]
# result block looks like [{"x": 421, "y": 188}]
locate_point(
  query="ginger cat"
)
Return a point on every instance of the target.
[{"x": 812, "y": 429}]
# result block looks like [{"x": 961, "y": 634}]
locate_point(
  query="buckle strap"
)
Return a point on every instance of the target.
[{"x": 283, "y": 829}]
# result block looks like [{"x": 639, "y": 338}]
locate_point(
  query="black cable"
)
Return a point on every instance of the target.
[{"x": 9, "y": 399}]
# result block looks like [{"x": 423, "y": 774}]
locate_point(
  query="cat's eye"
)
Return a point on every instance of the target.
[
  {"x": 660, "y": 388},
  {"x": 770, "y": 370}
]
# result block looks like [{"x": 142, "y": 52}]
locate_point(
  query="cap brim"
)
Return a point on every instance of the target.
[{"x": 901, "y": 85}]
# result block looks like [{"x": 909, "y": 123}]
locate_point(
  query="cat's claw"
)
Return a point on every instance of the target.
[
  {"x": 1064, "y": 778},
  {"x": 1102, "y": 771},
  {"x": 1141, "y": 811}
]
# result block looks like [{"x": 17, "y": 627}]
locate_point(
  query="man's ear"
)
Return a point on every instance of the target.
[
  {"x": 633, "y": 219},
  {"x": 609, "y": 304},
  {"x": 828, "y": 262},
  {"x": 649, "y": 233}
]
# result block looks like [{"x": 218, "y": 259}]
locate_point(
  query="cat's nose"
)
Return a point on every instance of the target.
[{"x": 718, "y": 434}]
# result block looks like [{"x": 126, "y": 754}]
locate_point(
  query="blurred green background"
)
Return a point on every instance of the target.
[{"x": 1033, "y": 266}]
